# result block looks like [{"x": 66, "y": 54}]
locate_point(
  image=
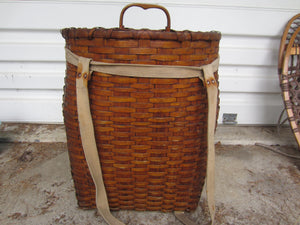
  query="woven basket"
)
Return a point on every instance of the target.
[{"x": 151, "y": 133}]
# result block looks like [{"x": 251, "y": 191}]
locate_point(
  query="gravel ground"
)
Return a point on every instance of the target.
[{"x": 253, "y": 186}]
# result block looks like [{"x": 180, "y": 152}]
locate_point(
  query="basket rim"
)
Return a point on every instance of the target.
[{"x": 129, "y": 33}]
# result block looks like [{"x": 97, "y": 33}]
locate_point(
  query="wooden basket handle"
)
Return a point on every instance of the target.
[{"x": 145, "y": 6}]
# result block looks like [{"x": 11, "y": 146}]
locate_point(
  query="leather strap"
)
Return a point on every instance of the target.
[{"x": 85, "y": 66}]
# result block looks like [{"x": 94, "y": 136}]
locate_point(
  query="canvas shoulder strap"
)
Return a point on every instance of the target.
[
  {"x": 85, "y": 67},
  {"x": 88, "y": 140}
]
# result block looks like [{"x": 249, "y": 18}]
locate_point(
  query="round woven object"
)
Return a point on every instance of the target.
[
  {"x": 151, "y": 133},
  {"x": 289, "y": 75}
]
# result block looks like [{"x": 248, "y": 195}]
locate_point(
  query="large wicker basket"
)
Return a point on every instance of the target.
[{"x": 151, "y": 133}]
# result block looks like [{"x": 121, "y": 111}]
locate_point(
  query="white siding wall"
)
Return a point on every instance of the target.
[{"x": 32, "y": 61}]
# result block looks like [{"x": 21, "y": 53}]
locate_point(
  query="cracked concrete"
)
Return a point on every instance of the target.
[{"x": 253, "y": 185}]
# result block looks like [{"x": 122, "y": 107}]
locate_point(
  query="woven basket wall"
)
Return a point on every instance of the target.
[{"x": 151, "y": 133}]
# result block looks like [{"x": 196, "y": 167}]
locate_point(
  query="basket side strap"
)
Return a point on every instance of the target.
[
  {"x": 212, "y": 96},
  {"x": 88, "y": 140}
]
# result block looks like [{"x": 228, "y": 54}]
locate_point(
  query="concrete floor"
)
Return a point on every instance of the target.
[{"x": 253, "y": 185}]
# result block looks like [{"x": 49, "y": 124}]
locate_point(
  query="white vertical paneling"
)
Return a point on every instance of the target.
[{"x": 32, "y": 61}]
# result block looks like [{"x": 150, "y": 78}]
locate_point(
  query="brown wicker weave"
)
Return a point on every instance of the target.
[
  {"x": 151, "y": 133},
  {"x": 289, "y": 73}
]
